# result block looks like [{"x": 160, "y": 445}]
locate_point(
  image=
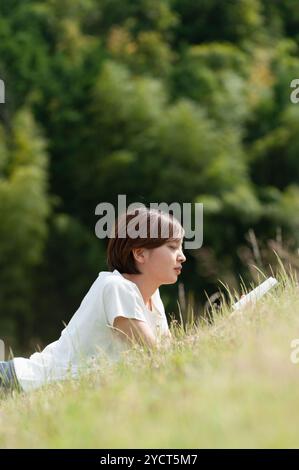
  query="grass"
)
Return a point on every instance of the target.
[{"x": 229, "y": 384}]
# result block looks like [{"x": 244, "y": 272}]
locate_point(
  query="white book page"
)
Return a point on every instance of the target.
[{"x": 256, "y": 293}]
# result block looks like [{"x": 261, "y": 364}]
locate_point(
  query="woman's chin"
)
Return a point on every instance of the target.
[
  {"x": 171, "y": 279},
  {"x": 175, "y": 278}
]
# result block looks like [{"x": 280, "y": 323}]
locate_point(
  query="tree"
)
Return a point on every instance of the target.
[{"x": 24, "y": 208}]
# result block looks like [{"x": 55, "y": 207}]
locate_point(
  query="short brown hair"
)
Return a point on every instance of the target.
[{"x": 119, "y": 250}]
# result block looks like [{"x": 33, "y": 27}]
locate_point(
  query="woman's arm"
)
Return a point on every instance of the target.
[{"x": 132, "y": 330}]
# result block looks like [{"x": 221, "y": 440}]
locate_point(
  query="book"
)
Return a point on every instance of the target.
[{"x": 256, "y": 293}]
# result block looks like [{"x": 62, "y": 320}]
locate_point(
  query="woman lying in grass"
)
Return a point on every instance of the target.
[{"x": 122, "y": 306}]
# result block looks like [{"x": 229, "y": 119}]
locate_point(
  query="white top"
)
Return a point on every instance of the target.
[{"x": 89, "y": 331}]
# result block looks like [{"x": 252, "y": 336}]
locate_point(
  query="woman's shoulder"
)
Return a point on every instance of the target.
[{"x": 115, "y": 281}]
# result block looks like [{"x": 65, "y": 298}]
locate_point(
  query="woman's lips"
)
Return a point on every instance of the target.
[{"x": 178, "y": 270}]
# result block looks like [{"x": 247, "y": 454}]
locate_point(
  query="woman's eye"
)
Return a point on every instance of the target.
[{"x": 172, "y": 247}]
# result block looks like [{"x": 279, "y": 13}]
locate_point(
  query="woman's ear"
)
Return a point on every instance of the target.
[{"x": 139, "y": 254}]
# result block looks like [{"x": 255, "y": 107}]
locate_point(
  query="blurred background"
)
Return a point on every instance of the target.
[{"x": 161, "y": 100}]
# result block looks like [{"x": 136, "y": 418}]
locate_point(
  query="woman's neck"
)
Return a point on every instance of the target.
[{"x": 146, "y": 287}]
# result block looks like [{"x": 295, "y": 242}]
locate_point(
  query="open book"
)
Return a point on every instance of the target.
[{"x": 256, "y": 293}]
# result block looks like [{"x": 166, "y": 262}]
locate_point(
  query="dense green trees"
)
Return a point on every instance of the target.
[
  {"x": 24, "y": 207},
  {"x": 161, "y": 100}
]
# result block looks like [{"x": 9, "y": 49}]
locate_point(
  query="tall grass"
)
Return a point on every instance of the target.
[{"x": 225, "y": 383}]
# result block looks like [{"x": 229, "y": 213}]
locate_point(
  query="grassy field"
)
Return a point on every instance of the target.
[{"x": 230, "y": 384}]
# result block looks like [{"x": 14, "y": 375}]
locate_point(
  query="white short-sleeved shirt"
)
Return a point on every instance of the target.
[{"x": 90, "y": 333}]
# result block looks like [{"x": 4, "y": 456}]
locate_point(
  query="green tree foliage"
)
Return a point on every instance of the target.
[
  {"x": 282, "y": 18},
  {"x": 24, "y": 207},
  {"x": 215, "y": 75},
  {"x": 217, "y": 20}
]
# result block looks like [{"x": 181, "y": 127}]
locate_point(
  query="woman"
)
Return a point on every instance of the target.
[{"x": 122, "y": 306}]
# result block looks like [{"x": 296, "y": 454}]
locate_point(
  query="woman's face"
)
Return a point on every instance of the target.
[{"x": 160, "y": 263}]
